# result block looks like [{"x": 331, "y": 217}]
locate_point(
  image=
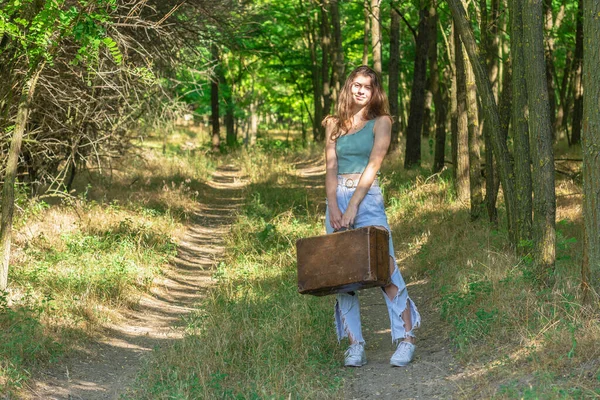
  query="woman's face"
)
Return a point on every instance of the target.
[{"x": 362, "y": 90}]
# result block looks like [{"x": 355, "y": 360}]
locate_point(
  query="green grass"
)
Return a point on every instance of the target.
[
  {"x": 255, "y": 337},
  {"x": 77, "y": 260}
]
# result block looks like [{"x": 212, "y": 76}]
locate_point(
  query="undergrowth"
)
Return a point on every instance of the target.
[
  {"x": 79, "y": 258},
  {"x": 516, "y": 338},
  {"x": 255, "y": 337}
]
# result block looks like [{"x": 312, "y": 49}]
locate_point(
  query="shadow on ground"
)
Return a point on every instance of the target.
[{"x": 103, "y": 369}]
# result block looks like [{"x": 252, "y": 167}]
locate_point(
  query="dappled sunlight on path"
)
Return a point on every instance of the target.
[{"x": 105, "y": 368}]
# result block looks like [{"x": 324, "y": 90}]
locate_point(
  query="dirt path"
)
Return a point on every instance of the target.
[
  {"x": 105, "y": 368},
  {"x": 429, "y": 376},
  {"x": 433, "y": 374}
]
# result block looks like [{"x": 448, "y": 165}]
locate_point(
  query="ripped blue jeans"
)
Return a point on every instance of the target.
[{"x": 371, "y": 211}]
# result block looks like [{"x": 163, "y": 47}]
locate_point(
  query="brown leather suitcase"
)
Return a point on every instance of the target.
[{"x": 343, "y": 261}]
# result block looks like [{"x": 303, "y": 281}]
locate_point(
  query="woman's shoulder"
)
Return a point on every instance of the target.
[
  {"x": 330, "y": 121},
  {"x": 383, "y": 121}
]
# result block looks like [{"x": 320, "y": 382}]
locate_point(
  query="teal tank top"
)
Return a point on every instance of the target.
[{"x": 353, "y": 151}]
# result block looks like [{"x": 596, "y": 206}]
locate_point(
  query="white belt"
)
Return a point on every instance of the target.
[{"x": 353, "y": 182}]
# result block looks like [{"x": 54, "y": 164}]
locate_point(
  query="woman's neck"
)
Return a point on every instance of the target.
[{"x": 358, "y": 116}]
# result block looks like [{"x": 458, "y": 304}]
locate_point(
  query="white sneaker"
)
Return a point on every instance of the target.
[
  {"x": 355, "y": 356},
  {"x": 403, "y": 354}
]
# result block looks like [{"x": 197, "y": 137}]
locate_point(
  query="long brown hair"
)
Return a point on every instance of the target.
[{"x": 377, "y": 106}]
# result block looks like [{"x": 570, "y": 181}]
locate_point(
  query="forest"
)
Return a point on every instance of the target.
[{"x": 153, "y": 143}]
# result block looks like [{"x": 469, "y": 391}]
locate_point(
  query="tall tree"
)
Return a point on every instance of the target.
[
  {"x": 540, "y": 130},
  {"x": 489, "y": 49},
  {"x": 214, "y": 99},
  {"x": 490, "y": 110},
  {"x": 325, "y": 29},
  {"x": 475, "y": 181},
  {"x": 338, "y": 51},
  {"x": 577, "y": 77},
  {"x": 393, "y": 74},
  {"x": 438, "y": 95},
  {"x": 519, "y": 127},
  {"x": 376, "y": 34},
  {"x": 10, "y": 172},
  {"x": 417, "y": 98},
  {"x": 549, "y": 54},
  {"x": 462, "y": 171},
  {"x": 226, "y": 88},
  {"x": 367, "y": 32},
  {"x": 590, "y": 146}
]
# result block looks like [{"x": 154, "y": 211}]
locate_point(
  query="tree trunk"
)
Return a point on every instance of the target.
[
  {"x": 540, "y": 130},
  {"x": 417, "y": 98},
  {"x": 453, "y": 103},
  {"x": 367, "y": 34},
  {"x": 316, "y": 82},
  {"x": 376, "y": 34},
  {"x": 462, "y": 183},
  {"x": 428, "y": 120},
  {"x": 393, "y": 77},
  {"x": 438, "y": 97},
  {"x": 214, "y": 100},
  {"x": 577, "y": 78},
  {"x": 563, "y": 93},
  {"x": 475, "y": 182},
  {"x": 10, "y": 173},
  {"x": 519, "y": 127},
  {"x": 325, "y": 64},
  {"x": 590, "y": 146},
  {"x": 231, "y": 137},
  {"x": 253, "y": 131},
  {"x": 338, "y": 53},
  {"x": 490, "y": 109},
  {"x": 549, "y": 55}
]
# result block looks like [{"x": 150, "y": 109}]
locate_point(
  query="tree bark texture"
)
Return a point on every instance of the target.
[
  {"x": 10, "y": 173},
  {"x": 475, "y": 181},
  {"x": 432, "y": 79},
  {"x": 563, "y": 95},
  {"x": 453, "y": 103},
  {"x": 540, "y": 130},
  {"x": 462, "y": 183},
  {"x": 316, "y": 81},
  {"x": 577, "y": 77},
  {"x": 490, "y": 111},
  {"x": 591, "y": 144},
  {"x": 367, "y": 34},
  {"x": 214, "y": 100},
  {"x": 417, "y": 98},
  {"x": 376, "y": 34},
  {"x": 549, "y": 56},
  {"x": 230, "y": 136},
  {"x": 438, "y": 97},
  {"x": 338, "y": 55},
  {"x": 325, "y": 65},
  {"x": 519, "y": 127},
  {"x": 394, "y": 71}
]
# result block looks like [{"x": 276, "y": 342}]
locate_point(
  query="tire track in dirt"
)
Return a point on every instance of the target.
[
  {"x": 105, "y": 368},
  {"x": 433, "y": 372}
]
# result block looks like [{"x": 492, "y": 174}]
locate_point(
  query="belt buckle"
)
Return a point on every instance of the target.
[{"x": 349, "y": 183}]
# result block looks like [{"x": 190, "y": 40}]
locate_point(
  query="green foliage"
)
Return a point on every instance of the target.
[
  {"x": 38, "y": 28},
  {"x": 25, "y": 342}
]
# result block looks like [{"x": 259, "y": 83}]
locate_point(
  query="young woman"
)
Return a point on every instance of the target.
[{"x": 358, "y": 137}]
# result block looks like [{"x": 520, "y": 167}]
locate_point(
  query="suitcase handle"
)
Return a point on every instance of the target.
[{"x": 343, "y": 228}]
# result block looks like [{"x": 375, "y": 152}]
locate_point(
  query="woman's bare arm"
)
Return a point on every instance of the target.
[{"x": 331, "y": 171}]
